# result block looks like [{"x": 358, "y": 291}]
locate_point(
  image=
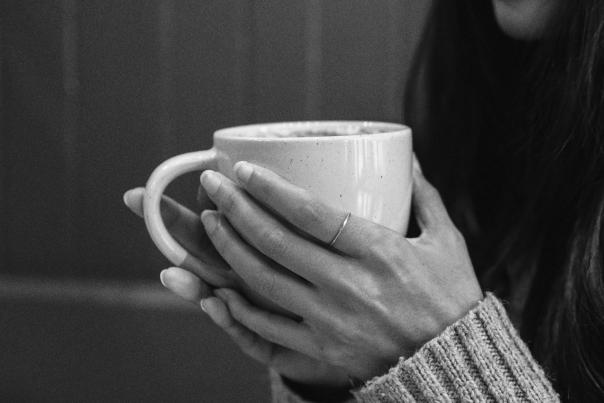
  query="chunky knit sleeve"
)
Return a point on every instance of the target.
[{"x": 479, "y": 358}]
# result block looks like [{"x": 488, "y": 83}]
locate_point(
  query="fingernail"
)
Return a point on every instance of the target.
[
  {"x": 209, "y": 220},
  {"x": 244, "y": 171},
  {"x": 162, "y": 277},
  {"x": 210, "y": 182},
  {"x": 128, "y": 198},
  {"x": 203, "y": 306}
]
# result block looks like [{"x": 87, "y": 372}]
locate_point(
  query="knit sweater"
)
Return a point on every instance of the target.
[{"x": 479, "y": 358}]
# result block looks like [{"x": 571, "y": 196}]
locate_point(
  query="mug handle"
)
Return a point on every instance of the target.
[{"x": 156, "y": 185}]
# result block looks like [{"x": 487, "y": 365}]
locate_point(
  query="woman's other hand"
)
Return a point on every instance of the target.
[
  {"x": 371, "y": 298},
  {"x": 291, "y": 364},
  {"x": 185, "y": 226}
]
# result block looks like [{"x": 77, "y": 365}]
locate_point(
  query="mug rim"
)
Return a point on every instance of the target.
[{"x": 242, "y": 132}]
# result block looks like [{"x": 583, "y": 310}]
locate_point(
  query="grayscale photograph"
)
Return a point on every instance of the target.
[{"x": 302, "y": 201}]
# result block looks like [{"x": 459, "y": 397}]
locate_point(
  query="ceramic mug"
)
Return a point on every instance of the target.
[{"x": 360, "y": 167}]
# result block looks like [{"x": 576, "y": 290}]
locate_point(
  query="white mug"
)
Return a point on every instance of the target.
[{"x": 360, "y": 167}]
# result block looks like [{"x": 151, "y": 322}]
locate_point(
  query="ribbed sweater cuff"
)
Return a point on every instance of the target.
[{"x": 478, "y": 358}]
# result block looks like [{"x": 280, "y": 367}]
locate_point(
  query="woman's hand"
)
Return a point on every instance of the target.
[
  {"x": 185, "y": 226},
  {"x": 291, "y": 364},
  {"x": 371, "y": 298}
]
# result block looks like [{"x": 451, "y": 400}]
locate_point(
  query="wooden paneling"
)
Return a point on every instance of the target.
[
  {"x": 211, "y": 69},
  {"x": 313, "y": 59},
  {"x": 70, "y": 124},
  {"x": 3, "y": 245},
  {"x": 279, "y": 60},
  {"x": 119, "y": 129},
  {"x": 97, "y": 93},
  {"x": 406, "y": 22},
  {"x": 367, "y": 48},
  {"x": 35, "y": 222}
]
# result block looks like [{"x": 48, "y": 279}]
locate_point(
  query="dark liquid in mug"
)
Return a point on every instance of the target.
[{"x": 326, "y": 133}]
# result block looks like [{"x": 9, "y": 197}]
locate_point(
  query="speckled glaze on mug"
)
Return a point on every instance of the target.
[{"x": 366, "y": 174}]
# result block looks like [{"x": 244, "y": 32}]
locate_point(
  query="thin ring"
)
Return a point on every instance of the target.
[{"x": 335, "y": 238}]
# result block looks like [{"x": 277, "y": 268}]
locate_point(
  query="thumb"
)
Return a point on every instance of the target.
[{"x": 429, "y": 208}]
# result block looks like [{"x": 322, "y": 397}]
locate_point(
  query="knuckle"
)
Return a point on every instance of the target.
[
  {"x": 274, "y": 242},
  {"x": 373, "y": 289},
  {"x": 236, "y": 313},
  {"x": 229, "y": 203},
  {"x": 218, "y": 237},
  {"x": 432, "y": 193},
  {"x": 326, "y": 346},
  {"x": 335, "y": 355},
  {"x": 309, "y": 210},
  {"x": 383, "y": 246},
  {"x": 265, "y": 333},
  {"x": 253, "y": 349},
  {"x": 263, "y": 187},
  {"x": 247, "y": 346},
  {"x": 268, "y": 287},
  {"x": 322, "y": 351},
  {"x": 453, "y": 236},
  {"x": 353, "y": 288}
]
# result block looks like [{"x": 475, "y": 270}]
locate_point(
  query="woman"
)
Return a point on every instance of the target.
[{"x": 507, "y": 106}]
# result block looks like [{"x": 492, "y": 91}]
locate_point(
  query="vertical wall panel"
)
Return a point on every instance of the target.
[
  {"x": 313, "y": 37},
  {"x": 70, "y": 125},
  {"x": 211, "y": 79},
  {"x": 34, "y": 169},
  {"x": 119, "y": 132},
  {"x": 96, "y": 93},
  {"x": 166, "y": 27},
  {"x": 3, "y": 245},
  {"x": 208, "y": 70},
  {"x": 396, "y": 58},
  {"x": 405, "y": 22},
  {"x": 355, "y": 37},
  {"x": 280, "y": 60},
  {"x": 243, "y": 69}
]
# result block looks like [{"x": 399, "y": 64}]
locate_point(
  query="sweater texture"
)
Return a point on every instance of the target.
[{"x": 479, "y": 358}]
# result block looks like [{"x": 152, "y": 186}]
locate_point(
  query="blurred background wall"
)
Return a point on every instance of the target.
[{"x": 94, "y": 94}]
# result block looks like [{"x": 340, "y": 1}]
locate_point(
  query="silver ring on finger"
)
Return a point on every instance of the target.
[{"x": 342, "y": 226}]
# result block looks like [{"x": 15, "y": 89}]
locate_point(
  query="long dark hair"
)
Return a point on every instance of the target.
[{"x": 512, "y": 134}]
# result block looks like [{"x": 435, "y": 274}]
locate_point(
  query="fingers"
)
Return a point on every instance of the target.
[
  {"x": 189, "y": 287},
  {"x": 184, "y": 284},
  {"x": 203, "y": 201},
  {"x": 258, "y": 272},
  {"x": 431, "y": 213},
  {"x": 249, "y": 342},
  {"x": 304, "y": 210},
  {"x": 287, "y": 362},
  {"x": 267, "y": 234},
  {"x": 183, "y": 224},
  {"x": 271, "y": 327}
]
